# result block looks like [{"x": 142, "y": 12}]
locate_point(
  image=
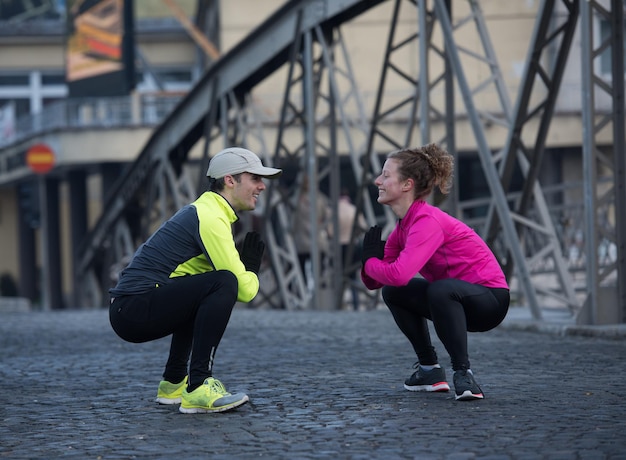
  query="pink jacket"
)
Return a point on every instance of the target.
[{"x": 437, "y": 246}]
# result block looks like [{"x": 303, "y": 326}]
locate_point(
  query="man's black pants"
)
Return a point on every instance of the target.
[{"x": 195, "y": 310}]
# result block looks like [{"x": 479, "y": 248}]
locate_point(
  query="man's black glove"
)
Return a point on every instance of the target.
[
  {"x": 252, "y": 252},
  {"x": 373, "y": 246}
]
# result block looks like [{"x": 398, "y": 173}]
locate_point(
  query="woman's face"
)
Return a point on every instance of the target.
[{"x": 390, "y": 187}]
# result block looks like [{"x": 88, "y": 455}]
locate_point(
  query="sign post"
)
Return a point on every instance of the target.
[{"x": 40, "y": 159}]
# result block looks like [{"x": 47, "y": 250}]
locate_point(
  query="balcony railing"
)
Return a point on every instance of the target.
[{"x": 140, "y": 109}]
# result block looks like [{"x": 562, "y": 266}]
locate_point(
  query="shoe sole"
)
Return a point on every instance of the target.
[
  {"x": 467, "y": 395},
  {"x": 437, "y": 387},
  {"x": 168, "y": 401},
  {"x": 204, "y": 410}
]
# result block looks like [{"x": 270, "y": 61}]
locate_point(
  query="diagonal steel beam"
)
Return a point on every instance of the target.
[
  {"x": 529, "y": 159},
  {"x": 489, "y": 168}
]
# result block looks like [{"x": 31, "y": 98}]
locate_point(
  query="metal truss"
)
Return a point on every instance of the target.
[
  {"x": 319, "y": 87},
  {"x": 498, "y": 196},
  {"x": 305, "y": 39},
  {"x": 240, "y": 123},
  {"x": 534, "y": 223},
  {"x": 206, "y": 110},
  {"x": 388, "y": 110},
  {"x": 605, "y": 221},
  {"x": 421, "y": 109}
]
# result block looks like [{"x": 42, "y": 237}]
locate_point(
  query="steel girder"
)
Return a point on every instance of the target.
[
  {"x": 500, "y": 204},
  {"x": 606, "y": 279},
  {"x": 530, "y": 211},
  {"x": 422, "y": 111},
  {"x": 306, "y": 36},
  {"x": 319, "y": 87},
  {"x": 259, "y": 55}
]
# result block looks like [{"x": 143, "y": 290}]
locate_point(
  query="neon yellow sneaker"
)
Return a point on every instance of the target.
[
  {"x": 211, "y": 396},
  {"x": 169, "y": 393}
]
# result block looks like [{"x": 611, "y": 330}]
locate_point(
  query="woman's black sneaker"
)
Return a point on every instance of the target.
[
  {"x": 423, "y": 380},
  {"x": 465, "y": 387}
]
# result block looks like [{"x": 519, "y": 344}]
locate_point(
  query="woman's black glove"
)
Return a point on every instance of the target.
[
  {"x": 252, "y": 252},
  {"x": 373, "y": 246}
]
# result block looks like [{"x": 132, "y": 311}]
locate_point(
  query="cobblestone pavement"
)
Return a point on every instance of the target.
[{"x": 321, "y": 385}]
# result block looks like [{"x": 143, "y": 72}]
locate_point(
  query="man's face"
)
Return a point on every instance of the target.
[{"x": 245, "y": 193}]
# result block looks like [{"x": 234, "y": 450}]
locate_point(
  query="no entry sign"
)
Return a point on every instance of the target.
[{"x": 40, "y": 158}]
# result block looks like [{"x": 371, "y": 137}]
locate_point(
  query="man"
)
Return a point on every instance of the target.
[
  {"x": 186, "y": 278},
  {"x": 302, "y": 226},
  {"x": 347, "y": 213}
]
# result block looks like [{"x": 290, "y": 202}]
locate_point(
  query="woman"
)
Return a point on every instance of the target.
[{"x": 462, "y": 287}]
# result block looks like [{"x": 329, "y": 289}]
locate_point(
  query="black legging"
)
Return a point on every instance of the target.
[
  {"x": 454, "y": 306},
  {"x": 194, "y": 309}
]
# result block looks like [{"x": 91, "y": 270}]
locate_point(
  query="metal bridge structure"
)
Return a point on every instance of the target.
[{"x": 323, "y": 120}]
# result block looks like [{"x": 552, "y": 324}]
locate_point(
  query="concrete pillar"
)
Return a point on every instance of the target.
[
  {"x": 52, "y": 245},
  {"x": 111, "y": 172},
  {"x": 77, "y": 180},
  {"x": 27, "y": 222}
]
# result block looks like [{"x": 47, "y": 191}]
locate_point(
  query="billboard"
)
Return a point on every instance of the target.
[{"x": 99, "y": 53}]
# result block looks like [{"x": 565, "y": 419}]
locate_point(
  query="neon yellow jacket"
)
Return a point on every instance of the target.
[{"x": 197, "y": 239}]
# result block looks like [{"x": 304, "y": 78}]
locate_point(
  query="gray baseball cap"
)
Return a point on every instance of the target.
[{"x": 235, "y": 160}]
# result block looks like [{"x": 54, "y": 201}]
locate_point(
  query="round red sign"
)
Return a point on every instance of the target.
[{"x": 40, "y": 158}]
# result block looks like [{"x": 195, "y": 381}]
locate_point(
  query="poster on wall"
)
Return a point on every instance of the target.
[{"x": 99, "y": 54}]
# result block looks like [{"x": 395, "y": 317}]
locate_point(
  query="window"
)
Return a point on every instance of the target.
[
  {"x": 53, "y": 79},
  {"x": 14, "y": 80},
  {"x": 172, "y": 79}
]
